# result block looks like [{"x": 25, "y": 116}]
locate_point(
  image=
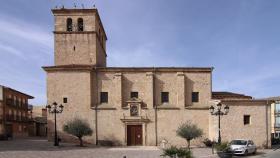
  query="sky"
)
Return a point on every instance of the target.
[{"x": 239, "y": 38}]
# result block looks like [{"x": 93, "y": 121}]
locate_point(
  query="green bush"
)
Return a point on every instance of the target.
[
  {"x": 173, "y": 151},
  {"x": 221, "y": 147},
  {"x": 184, "y": 153}
]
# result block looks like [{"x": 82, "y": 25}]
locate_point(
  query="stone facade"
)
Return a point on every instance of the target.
[{"x": 80, "y": 75}]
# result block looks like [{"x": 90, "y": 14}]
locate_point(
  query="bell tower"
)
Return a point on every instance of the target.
[{"x": 79, "y": 37}]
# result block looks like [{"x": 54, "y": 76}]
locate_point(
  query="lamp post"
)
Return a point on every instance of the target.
[
  {"x": 218, "y": 112},
  {"x": 55, "y": 109}
]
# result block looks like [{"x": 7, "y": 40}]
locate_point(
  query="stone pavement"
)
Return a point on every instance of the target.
[{"x": 40, "y": 148}]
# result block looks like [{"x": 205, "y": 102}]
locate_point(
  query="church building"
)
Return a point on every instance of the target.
[{"x": 138, "y": 105}]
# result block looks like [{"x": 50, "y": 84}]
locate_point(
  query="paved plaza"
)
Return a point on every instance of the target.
[{"x": 41, "y": 148}]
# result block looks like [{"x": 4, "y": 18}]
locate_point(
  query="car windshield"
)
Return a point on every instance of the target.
[{"x": 238, "y": 142}]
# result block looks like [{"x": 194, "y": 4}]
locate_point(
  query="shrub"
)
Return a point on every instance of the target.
[
  {"x": 222, "y": 147},
  {"x": 275, "y": 141},
  {"x": 207, "y": 142},
  {"x": 174, "y": 152},
  {"x": 171, "y": 151},
  {"x": 184, "y": 153},
  {"x": 78, "y": 128},
  {"x": 189, "y": 131}
]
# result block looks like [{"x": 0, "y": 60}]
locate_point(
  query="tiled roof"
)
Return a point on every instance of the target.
[{"x": 229, "y": 95}]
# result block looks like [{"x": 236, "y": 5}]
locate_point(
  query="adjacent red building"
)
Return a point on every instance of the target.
[{"x": 13, "y": 112}]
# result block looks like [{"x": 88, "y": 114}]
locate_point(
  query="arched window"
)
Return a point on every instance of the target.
[
  {"x": 69, "y": 26},
  {"x": 80, "y": 24}
]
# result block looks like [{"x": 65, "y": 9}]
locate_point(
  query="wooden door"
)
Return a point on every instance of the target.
[{"x": 134, "y": 134}]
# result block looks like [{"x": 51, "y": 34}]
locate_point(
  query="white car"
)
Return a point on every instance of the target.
[{"x": 243, "y": 147}]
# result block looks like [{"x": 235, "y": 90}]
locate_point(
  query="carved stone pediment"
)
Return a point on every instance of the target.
[
  {"x": 134, "y": 105},
  {"x": 134, "y": 100}
]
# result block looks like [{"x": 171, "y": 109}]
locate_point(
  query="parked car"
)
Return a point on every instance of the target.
[{"x": 243, "y": 147}]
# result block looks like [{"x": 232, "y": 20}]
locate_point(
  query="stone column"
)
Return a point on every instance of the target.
[
  {"x": 150, "y": 89},
  {"x": 118, "y": 89},
  {"x": 181, "y": 99}
]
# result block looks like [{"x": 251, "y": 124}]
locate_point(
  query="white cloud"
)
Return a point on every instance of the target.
[
  {"x": 11, "y": 50},
  {"x": 26, "y": 31},
  {"x": 250, "y": 82},
  {"x": 24, "y": 48}
]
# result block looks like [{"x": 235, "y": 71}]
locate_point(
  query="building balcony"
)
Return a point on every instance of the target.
[
  {"x": 17, "y": 103},
  {"x": 10, "y": 102},
  {"x": 13, "y": 118},
  {"x": 24, "y": 106},
  {"x": 10, "y": 118}
]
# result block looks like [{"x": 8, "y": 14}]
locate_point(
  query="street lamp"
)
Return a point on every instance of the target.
[
  {"x": 55, "y": 109},
  {"x": 219, "y": 113}
]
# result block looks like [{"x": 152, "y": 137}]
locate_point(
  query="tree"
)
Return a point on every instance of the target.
[
  {"x": 189, "y": 131},
  {"x": 78, "y": 128}
]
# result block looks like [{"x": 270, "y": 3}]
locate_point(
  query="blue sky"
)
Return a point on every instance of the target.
[{"x": 239, "y": 38}]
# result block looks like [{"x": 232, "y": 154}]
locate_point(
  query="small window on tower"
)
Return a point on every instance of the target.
[
  {"x": 80, "y": 24},
  {"x": 69, "y": 26},
  {"x": 247, "y": 119},
  {"x": 65, "y": 100}
]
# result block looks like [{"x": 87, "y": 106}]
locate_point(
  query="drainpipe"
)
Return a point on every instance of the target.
[
  {"x": 4, "y": 104},
  {"x": 95, "y": 108},
  {"x": 266, "y": 115},
  {"x": 155, "y": 106}
]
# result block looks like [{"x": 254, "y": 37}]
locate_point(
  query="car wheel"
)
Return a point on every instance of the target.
[
  {"x": 255, "y": 151},
  {"x": 246, "y": 152}
]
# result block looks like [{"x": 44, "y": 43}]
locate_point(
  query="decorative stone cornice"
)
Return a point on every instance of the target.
[
  {"x": 180, "y": 74},
  {"x": 69, "y": 68},
  {"x": 156, "y": 69},
  {"x": 129, "y": 69}
]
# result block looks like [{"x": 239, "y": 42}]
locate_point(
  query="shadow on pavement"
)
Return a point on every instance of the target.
[
  {"x": 39, "y": 144},
  {"x": 251, "y": 155}
]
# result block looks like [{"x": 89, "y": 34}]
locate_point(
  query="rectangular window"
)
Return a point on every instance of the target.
[
  {"x": 133, "y": 94},
  {"x": 247, "y": 119},
  {"x": 65, "y": 100},
  {"x": 277, "y": 107},
  {"x": 164, "y": 97},
  {"x": 195, "y": 97},
  {"x": 277, "y": 121},
  {"x": 104, "y": 97}
]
